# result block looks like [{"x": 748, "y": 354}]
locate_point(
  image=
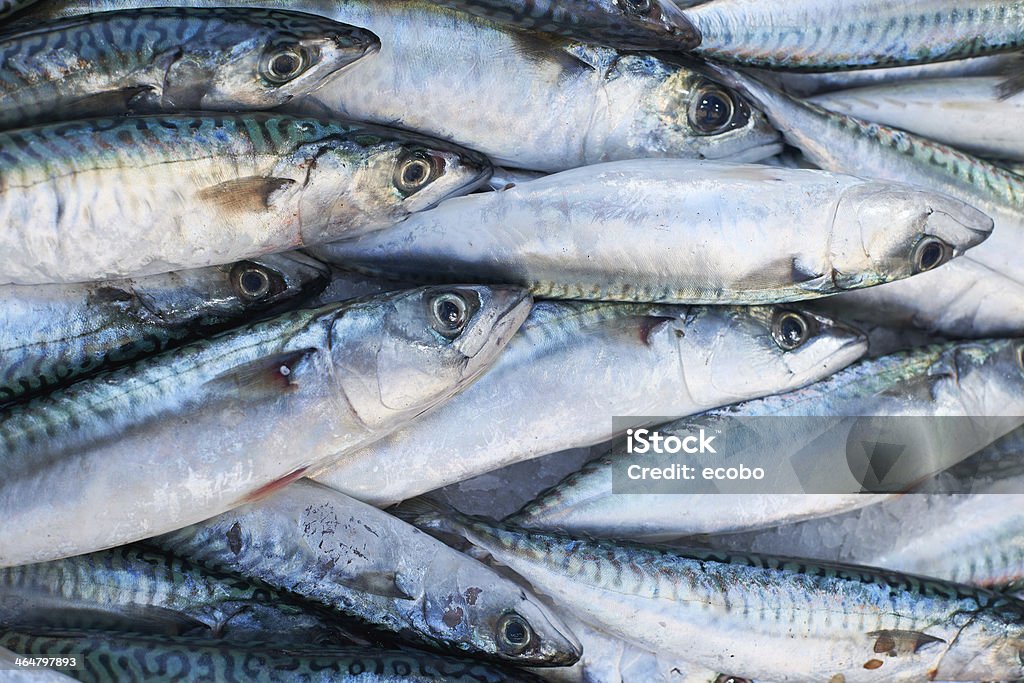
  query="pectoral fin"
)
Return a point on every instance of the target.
[
  {"x": 894, "y": 643},
  {"x": 132, "y": 99},
  {"x": 244, "y": 195},
  {"x": 277, "y": 374},
  {"x": 383, "y": 584}
]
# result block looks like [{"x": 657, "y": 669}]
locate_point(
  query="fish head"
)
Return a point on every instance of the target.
[
  {"x": 988, "y": 647},
  {"x": 401, "y": 353},
  {"x": 493, "y": 616},
  {"x": 698, "y": 117},
  {"x": 261, "y": 59},
  {"x": 732, "y": 354},
  {"x": 218, "y": 293},
  {"x": 883, "y": 232},
  {"x": 393, "y": 175}
]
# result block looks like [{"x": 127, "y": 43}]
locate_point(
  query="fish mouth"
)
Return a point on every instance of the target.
[{"x": 511, "y": 306}]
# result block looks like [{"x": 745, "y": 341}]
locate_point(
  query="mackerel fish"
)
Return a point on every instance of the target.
[
  {"x": 956, "y": 380},
  {"x": 127, "y": 197},
  {"x": 622, "y": 24},
  {"x": 564, "y": 104},
  {"x": 811, "y": 35},
  {"x": 967, "y": 113},
  {"x": 954, "y": 301},
  {"x": 676, "y": 231},
  {"x": 766, "y": 618},
  {"x": 180, "y": 437},
  {"x": 55, "y": 334},
  {"x": 102, "y": 656},
  {"x": 141, "y": 590},
  {"x": 169, "y": 59},
  {"x": 391, "y": 577},
  {"x": 626, "y": 360}
]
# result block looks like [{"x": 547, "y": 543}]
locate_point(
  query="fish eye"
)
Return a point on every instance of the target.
[
  {"x": 636, "y": 7},
  {"x": 251, "y": 281},
  {"x": 712, "y": 110},
  {"x": 414, "y": 172},
  {"x": 449, "y": 314},
  {"x": 724, "y": 678},
  {"x": 514, "y": 633},
  {"x": 790, "y": 330},
  {"x": 283, "y": 64},
  {"x": 930, "y": 253}
]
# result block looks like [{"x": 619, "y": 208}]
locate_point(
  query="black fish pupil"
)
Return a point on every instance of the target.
[
  {"x": 713, "y": 111},
  {"x": 254, "y": 282},
  {"x": 415, "y": 173},
  {"x": 450, "y": 314},
  {"x": 285, "y": 65},
  {"x": 515, "y": 633},
  {"x": 792, "y": 330},
  {"x": 639, "y": 6},
  {"x": 931, "y": 256}
]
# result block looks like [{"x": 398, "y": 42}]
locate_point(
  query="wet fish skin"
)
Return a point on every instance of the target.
[
  {"x": 639, "y": 360},
  {"x": 779, "y": 619},
  {"x": 128, "y": 656},
  {"x": 142, "y": 590},
  {"x": 809, "y": 84},
  {"x": 807, "y": 35},
  {"x": 564, "y": 104},
  {"x": 964, "y": 379},
  {"x": 967, "y": 113},
  {"x": 9, "y": 7},
  {"x": 115, "y": 198},
  {"x": 954, "y": 302},
  {"x": 55, "y": 334},
  {"x": 656, "y": 25},
  {"x": 169, "y": 59},
  {"x": 331, "y": 549},
  {"x": 675, "y": 231},
  {"x": 183, "y": 436},
  {"x": 608, "y": 659}
]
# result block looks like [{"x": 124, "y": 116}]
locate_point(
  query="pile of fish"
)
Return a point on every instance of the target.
[{"x": 272, "y": 267}]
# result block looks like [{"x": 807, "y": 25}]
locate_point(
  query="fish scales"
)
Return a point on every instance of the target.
[
  {"x": 809, "y": 35},
  {"x": 172, "y": 192},
  {"x": 167, "y": 59},
  {"x": 676, "y": 231},
  {"x": 331, "y": 549},
  {"x": 105, "y": 656},
  {"x": 955, "y": 302},
  {"x": 145, "y": 590},
  {"x": 574, "y": 104},
  {"x": 651, "y": 26},
  {"x": 642, "y": 361},
  {"x": 227, "y": 419},
  {"x": 56, "y": 333},
  {"x": 744, "y": 613},
  {"x": 139, "y": 393}
]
